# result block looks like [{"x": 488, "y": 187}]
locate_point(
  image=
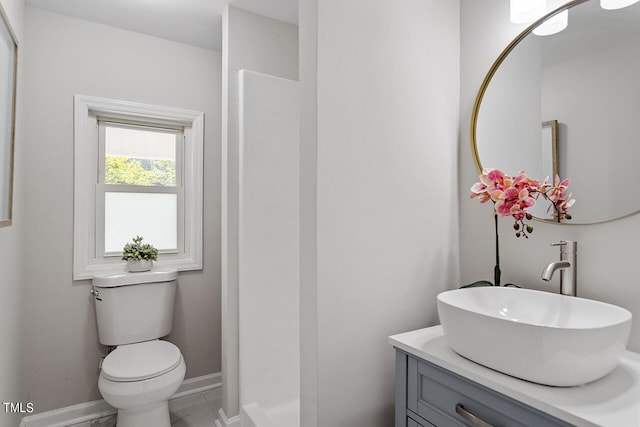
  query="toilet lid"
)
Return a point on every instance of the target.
[{"x": 141, "y": 361}]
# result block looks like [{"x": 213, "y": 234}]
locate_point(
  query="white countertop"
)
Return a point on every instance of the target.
[{"x": 613, "y": 401}]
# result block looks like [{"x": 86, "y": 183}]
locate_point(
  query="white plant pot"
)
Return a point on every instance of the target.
[{"x": 134, "y": 266}]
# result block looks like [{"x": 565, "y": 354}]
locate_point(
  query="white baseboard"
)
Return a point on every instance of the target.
[
  {"x": 69, "y": 415},
  {"x": 223, "y": 421},
  {"x": 88, "y": 411},
  {"x": 199, "y": 385}
]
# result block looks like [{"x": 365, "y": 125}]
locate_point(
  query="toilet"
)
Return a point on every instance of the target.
[{"x": 133, "y": 311}]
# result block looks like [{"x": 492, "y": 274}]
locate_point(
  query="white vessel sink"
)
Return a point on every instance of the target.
[{"x": 537, "y": 336}]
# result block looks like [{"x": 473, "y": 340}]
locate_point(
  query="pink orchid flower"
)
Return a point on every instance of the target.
[{"x": 512, "y": 196}]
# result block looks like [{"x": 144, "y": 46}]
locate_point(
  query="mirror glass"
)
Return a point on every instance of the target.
[
  {"x": 584, "y": 79},
  {"x": 8, "y": 64}
]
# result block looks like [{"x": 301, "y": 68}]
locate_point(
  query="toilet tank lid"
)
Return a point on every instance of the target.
[{"x": 109, "y": 280}]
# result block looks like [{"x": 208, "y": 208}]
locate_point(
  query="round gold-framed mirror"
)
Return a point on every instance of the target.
[{"x": 568, "y": 103}]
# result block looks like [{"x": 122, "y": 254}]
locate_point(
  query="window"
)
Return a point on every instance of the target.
[
  {"x": 139, "y": 190},
  {"x": 137, "y": 171}
]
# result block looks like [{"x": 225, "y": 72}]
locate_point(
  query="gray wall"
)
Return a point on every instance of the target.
[
  {"x": 11, "y": 243},
  {"x": 380, "y": 118},
  {"x": 63, "y": 57},
  {"x": 308, "y": 11},
  {"x": 598, "y": 117},
  {"x": 608, "y": 252}
]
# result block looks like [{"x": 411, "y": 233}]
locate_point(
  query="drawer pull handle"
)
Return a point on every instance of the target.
[{"x": 470, "y": 417}]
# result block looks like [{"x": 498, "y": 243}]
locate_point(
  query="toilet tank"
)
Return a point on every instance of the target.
[{"x": 134, "y": 307}]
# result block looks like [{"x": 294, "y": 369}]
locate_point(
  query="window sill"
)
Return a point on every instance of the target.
[{"x": 181, "y": 263}]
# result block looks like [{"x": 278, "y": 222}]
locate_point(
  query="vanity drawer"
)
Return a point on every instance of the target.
[
  {"x": 413, "y": 420},
  {"x": 412, "y": 423},
  {"x": 434, "y": 393}
]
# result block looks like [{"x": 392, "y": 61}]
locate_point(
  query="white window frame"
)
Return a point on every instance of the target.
[{"x": 86, "y": 260}]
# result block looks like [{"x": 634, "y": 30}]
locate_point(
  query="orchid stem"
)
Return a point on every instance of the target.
[{"x": 496, "y": 269}]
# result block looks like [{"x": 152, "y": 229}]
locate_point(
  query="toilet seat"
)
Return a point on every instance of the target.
[{"x": 141, "y": 361}]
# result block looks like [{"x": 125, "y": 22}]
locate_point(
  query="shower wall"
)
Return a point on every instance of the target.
[
  {"x": 268, "y": 249},
  {"x": 265, "y": 45}
]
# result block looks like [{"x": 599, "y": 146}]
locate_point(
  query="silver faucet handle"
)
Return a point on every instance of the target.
[{"x": 567, "y": 246}]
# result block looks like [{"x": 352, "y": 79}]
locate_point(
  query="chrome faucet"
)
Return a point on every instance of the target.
[{"x": 567, "y": 266}]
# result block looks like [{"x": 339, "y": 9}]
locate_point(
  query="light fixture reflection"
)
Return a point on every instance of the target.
[
  {"x": 526, "y": 11},
  {"x": 616, "y": 4},
  {"x": 553, "y": 25}
]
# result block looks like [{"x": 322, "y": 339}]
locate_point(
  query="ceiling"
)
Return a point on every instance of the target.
[{"x": 194, "y": 22}]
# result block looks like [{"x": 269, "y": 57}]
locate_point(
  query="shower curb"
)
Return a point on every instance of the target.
[{"x": 224, "y": 421}]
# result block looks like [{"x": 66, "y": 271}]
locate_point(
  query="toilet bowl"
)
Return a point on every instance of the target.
[{"x": 138, "y": 379}]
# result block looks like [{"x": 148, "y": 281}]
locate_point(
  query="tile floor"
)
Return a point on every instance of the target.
[{"x": 198, "y": 410}]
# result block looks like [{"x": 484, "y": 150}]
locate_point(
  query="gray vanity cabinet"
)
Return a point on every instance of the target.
[{"x": 428, "y": 395}]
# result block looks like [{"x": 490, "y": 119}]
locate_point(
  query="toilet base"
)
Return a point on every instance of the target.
[
  {"x": 155, "y": 414},
  {"x": 143, "y": 403}
]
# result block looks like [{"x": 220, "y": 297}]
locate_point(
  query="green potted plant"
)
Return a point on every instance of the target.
[{"x": 139, "y": 256}]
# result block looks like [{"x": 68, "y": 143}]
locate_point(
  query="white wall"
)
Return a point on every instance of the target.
[
  {"x": 67, "y": 56},
  {"x": 11, "y": 278},
  {"x": 607, "y": 253},
  {"x": 382, "y": 167},
  {"x": 257, "y": 43}
]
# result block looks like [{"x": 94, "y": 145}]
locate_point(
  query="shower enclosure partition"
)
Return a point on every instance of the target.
[{"x": 268, "y": 255}]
